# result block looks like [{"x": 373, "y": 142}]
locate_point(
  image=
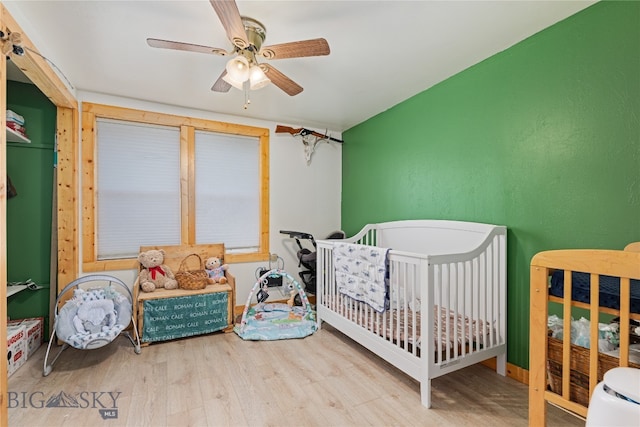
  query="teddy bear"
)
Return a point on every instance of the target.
[
  {"x": 155, "y": 274},
  {"x": 215, "y": 270}
]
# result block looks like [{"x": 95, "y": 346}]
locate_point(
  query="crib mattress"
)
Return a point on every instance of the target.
[
  {"x": 609, "y": 289},
  {"x": 452, "y": 329},
  {"x": 404, "y": 325}
]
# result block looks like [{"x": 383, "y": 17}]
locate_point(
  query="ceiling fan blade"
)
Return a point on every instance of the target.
[
  {"x": 229, "y": 15},
  {"x": 168, "y": 44},
  {"x": 313, "y": 47},
  {"x": 290, "y": 87},
  {"x": 220, "y": 85}
]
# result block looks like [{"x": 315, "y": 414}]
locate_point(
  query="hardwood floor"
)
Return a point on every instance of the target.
[{"x": 220, "y": 380}]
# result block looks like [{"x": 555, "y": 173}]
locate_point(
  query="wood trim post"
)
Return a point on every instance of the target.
[
  {"x": 4, "y": 411},
  {"x": 538, "y": 345},
  {"x": 66, "y": 194}
]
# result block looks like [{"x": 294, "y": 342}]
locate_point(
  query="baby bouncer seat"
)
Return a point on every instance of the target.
[{"x": 93, "y": 317}]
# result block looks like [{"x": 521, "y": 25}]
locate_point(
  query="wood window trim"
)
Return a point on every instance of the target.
[{"x": 187, "y": 125}]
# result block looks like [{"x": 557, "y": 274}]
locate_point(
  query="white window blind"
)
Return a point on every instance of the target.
[
  {"x": 138, "y": 187},
  {"x": 227, "y": 182}
]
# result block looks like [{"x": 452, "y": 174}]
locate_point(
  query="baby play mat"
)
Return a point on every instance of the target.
[{"x": 276, "y": 321}]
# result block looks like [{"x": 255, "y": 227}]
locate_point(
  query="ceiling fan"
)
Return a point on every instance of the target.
[{"x": 247, "y": 35}]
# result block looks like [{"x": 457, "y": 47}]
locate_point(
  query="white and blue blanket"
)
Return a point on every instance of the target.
[{"x": 362, "y": 273}]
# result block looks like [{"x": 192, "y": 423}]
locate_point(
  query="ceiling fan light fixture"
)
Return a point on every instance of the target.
[
  {"x": 257, "y": 78},
  {"x": 238, "y": 69},
  {"x": 247, "y": 36},
  {"x": 233, "y": 82}
]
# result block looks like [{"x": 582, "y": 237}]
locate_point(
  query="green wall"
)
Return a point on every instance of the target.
[
  {"x": 30, "y": 167},
  {"x": 543, "y": 138}
]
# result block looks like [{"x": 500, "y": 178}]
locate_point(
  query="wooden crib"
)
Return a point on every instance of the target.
[
  {"x": 445, "y": 301},
  {"x": 573, "y": 387}
]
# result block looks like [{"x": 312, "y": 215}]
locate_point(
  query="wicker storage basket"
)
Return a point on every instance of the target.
[
  {"x": 192, "y": 279},
  {"x": 579, "y": 365}
]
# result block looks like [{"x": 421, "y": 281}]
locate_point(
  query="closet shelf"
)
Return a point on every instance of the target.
[
  {"x": 13, "y": 136},
  {"x": 12, "y": 290}
]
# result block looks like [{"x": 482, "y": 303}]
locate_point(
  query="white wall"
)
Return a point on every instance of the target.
[{"x": 302, "y": 197}]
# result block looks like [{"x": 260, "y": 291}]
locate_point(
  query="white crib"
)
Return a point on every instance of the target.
[{"x": 447, "y": 278}]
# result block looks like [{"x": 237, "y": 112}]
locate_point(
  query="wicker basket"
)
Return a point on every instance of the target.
[
  {"x": 192, "y": 279},
  {"x": 579, "y": 365}
]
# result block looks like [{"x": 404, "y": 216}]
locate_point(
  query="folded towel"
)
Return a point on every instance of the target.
[
  {"x": 16, "y": 127},
  {"x": 14, "y": 117}
]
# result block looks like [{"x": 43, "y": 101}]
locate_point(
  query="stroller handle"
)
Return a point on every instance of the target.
[{"x": 297, "y": 234}]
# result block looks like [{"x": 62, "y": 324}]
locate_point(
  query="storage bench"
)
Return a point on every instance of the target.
[{"x": 167, "y": 314}]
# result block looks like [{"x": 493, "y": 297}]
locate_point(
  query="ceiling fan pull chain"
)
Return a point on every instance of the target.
[{"x": 247, "y": 101}]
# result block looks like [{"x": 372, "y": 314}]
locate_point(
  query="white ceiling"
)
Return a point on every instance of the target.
[{"x": 382, "y": 52}]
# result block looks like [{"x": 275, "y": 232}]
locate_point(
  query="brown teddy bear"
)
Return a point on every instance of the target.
[
  {"x": 155, "y": 274},
  {"x": 216, "y": 270}
]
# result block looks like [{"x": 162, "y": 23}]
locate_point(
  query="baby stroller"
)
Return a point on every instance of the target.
[{"x": 307, "y": 257}]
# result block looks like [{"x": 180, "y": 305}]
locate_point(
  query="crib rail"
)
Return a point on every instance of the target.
[
  {"x": 471, "y": 289},
  {"x": 450, "y": 307}
]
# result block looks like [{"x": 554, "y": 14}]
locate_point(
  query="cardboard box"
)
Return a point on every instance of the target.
[
  {"x": 16, "y": 347},
  {"x": 35, "y": 332}
]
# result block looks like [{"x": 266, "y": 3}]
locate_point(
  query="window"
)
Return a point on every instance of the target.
[
  {"x": 226, "y": 170},
  {"x": 138, "y": 177},
  {"x": 157, "y": 179}
]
